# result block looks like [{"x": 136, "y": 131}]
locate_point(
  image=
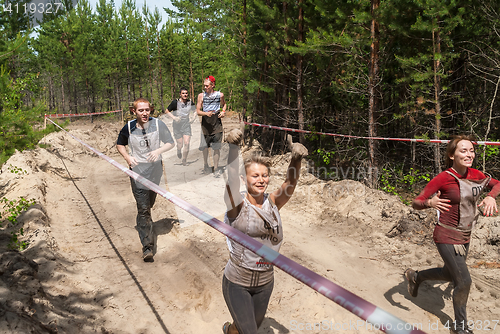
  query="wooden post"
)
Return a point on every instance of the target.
[{"x": 44, "y": 121}]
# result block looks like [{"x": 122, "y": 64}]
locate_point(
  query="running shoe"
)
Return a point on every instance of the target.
[
  {"x": 411, "y": 276},
  {"x": 218, "y": 173},
  {"x": 461, "y": 331},
  {"x": 179, "y": 154},
  {"x": 225, "y": 327},
  {"x": 206, "y": 170}
]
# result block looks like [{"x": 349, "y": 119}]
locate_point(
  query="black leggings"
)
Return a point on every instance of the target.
[
  {"x": 247, "y": 306},
  {"x": 455, "y": 270}
]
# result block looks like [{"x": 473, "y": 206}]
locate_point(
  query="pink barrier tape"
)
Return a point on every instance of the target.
[
  {"x": 76, "y": 115},
  {"x": 375, "y": 317},
  {"x": 361, "y": 137}
]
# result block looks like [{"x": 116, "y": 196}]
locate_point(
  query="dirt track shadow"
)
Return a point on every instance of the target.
[
  {"x": 430, "y": 298},
  {"x": 25, "y": 304},
  {"x": 270, "y": 323},
  {"x": 188, "y": 162},
  {"x": 161, "y": 227}
]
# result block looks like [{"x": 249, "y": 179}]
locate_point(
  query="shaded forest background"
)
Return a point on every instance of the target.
[{"x": 412, "y": 69}]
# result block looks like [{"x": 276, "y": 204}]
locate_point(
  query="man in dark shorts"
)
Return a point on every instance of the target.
[
  {"x": 180, "y": 111},
  {"x": 209, "y": 106},
  {"x": 144, "y": 135}
]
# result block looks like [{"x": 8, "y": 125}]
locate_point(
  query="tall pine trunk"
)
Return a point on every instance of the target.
[
  {"x": 51, "y": 94},
  {"x": 129, "y": 95},
  {"x": 372, "y": 91},
  {"x": 161, "y": 74},
  {"x": 63, "y": 101},
  {"x": 110, "y": 93},
  {"x": 87, "y": 90},
  {"x": 243, "y": 63},
  {"x": 150, "y": 69},
  {"x": 436, "y": 42},
  {"x": 287, "y": 81},
  {"x": 117, "y": 94},
  {"x": 191, "y": 80},
  {"x": 75, "y": 95},
  {"x": 300, "y": 73}
]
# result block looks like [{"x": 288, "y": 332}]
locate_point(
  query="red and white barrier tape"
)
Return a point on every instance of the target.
[
  {"x": 378, "y": 318},
  {"x": 76, "y": 115},
  {"x": 361, "y": 137}
]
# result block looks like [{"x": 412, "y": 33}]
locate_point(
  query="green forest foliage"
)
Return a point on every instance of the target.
[
  {"x": 302, "y": 64},
  {"x": 20, "y": 113}
]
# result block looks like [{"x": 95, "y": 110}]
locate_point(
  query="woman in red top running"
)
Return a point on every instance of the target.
[{"x": 455, "y": 193}]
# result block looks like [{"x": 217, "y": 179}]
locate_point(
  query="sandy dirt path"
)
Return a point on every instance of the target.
[{"x": 94, "y": 279}]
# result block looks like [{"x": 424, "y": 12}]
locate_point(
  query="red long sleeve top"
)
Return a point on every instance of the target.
[{"x": 450, "y": 189}]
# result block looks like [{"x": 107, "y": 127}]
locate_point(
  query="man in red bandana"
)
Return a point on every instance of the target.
[{"x": 212, "y": 107}]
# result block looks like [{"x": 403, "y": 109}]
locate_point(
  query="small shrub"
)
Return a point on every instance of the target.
[{"x": 13, "y": 209}]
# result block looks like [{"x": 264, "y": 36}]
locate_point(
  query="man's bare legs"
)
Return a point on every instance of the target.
[
  {"x": 179, "y": 147},
  {"x": 205, "y": 160},
  {"x": 216, "y": 157},
  {"x": 185, "y": 147}
]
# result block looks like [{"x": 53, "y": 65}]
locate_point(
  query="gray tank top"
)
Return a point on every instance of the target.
[
  {"x": 469, "y": 195},
  {"x": 143, "y": 141},
  {"x": 183, "y": 109},
  {"x": 262, "y": 224}
]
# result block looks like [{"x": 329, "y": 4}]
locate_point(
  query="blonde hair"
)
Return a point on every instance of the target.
[{"x": 257, "y": 157}]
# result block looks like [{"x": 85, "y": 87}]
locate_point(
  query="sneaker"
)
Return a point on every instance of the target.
[
  {"x": 147, "y": 255},
  {"x": 461, "y": 331},
  {"x": 411, "y": 276},
  {"x": 225, "y": 327},
  {"x": 179, "y": 154},
  {"x": 206, "y": 170},
  {"x": 218, "y": 173}
]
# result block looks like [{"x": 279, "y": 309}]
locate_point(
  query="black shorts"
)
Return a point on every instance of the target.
[
  {"x": 181, "y": 128},
  {"x": 214, "y": 141}
]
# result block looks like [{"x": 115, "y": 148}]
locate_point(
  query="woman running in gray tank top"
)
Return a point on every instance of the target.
[{"x": 248, "y": 279}]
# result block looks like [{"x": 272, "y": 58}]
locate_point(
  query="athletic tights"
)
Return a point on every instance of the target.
[
  {"x": 247, "y": 306},
  {"x": 454, "y": 270}
]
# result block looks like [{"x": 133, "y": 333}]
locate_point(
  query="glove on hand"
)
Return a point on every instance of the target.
[{"x": 298, "y": 150}]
